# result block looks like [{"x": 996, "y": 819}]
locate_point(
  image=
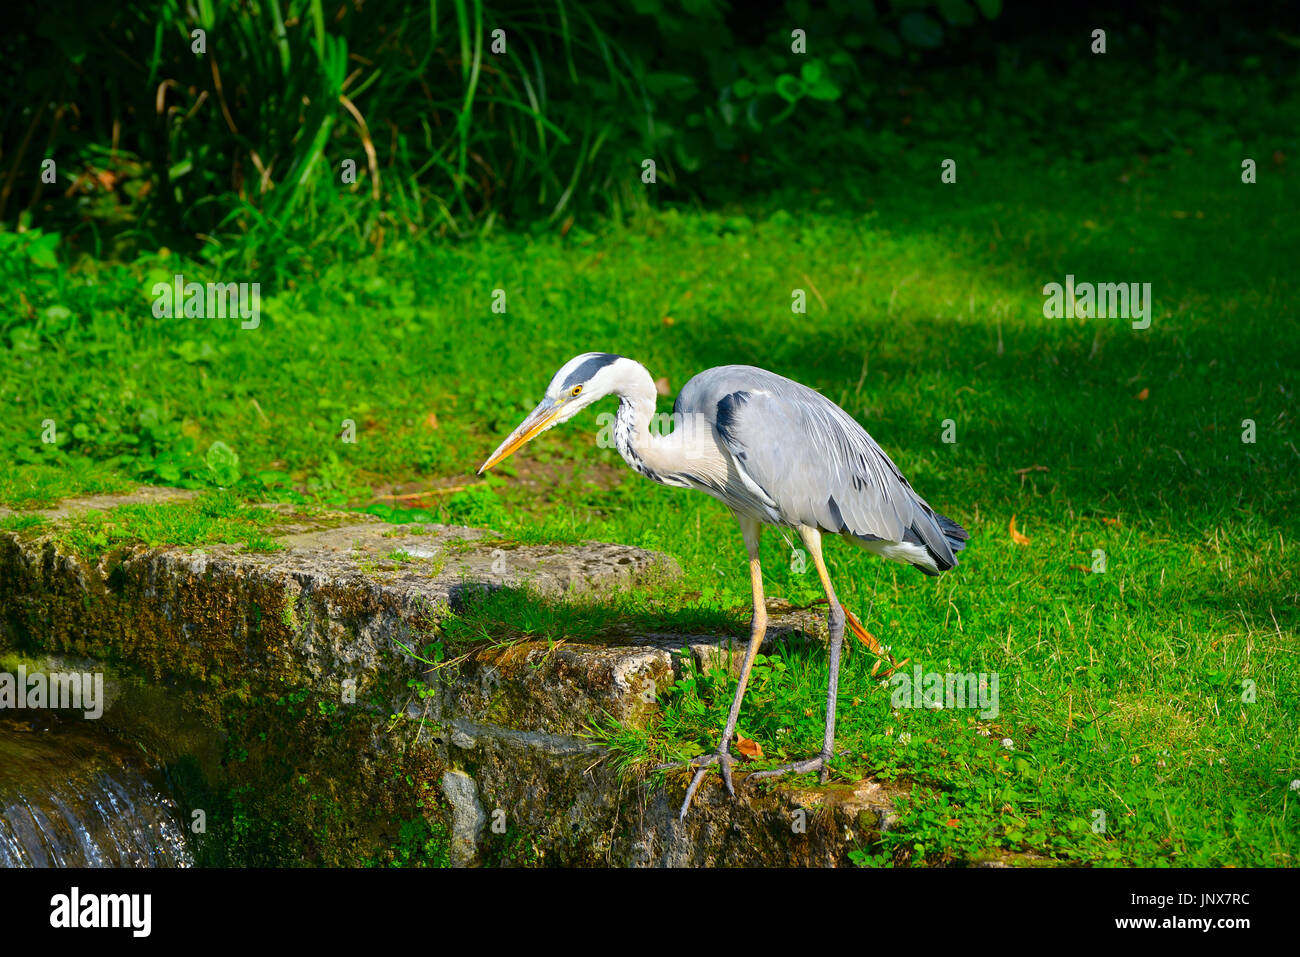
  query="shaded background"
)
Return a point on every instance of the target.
[{"x": 159, "y": 146}]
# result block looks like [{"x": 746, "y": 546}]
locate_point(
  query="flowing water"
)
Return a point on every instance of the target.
[{"x": 73, "y": 796}]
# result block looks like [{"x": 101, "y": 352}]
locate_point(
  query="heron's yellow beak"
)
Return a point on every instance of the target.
[{"x": 538, "y": 421}]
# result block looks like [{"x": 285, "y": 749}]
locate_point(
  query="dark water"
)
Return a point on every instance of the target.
[{"x": 73, "y": 796}]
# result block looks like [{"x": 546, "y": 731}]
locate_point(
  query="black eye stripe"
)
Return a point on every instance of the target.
[{"x": 589, "y": 368}]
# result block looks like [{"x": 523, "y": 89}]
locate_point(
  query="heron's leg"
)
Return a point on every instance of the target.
[
  {"x": 757, "y": 629},
  {"x": 812, "y": 540}
]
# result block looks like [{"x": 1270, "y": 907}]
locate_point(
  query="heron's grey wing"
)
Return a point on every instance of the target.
[{"x": 815, "y": 461}]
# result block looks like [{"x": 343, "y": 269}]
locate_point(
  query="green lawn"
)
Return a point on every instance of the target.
[{"x": 1121, "y": 692}]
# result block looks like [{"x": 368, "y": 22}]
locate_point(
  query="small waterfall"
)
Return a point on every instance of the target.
[{"x": 72, "y": 796}]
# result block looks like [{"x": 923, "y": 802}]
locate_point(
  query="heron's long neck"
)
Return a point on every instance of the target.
[{"x": 644, "y": 451}]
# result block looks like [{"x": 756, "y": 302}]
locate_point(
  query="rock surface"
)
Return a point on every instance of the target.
[{"x": 501, "y": 766}]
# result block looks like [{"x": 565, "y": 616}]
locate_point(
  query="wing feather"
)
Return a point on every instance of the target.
[{"x": 813, "y": 459}]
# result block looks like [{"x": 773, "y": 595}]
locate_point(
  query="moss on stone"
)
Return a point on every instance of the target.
[{"x": 301, "y": 780}]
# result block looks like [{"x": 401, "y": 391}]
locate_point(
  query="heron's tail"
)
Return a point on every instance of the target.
[
  {"x": 942, "y": 539},
  {"x": 956, "y": 535}
]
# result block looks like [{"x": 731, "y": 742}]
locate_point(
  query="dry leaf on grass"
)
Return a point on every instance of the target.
[
  {"x": 1016, "y": 536},
  {"x": 747, "y": 749}
]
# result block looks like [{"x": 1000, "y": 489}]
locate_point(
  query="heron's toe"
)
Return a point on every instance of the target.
[
  {"x": 700, "y": 765},
  {"x": 724, "y": 762},
  {"x": 818, "y": 763}
]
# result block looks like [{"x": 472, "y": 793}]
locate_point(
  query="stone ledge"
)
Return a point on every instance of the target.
[{"x": 499, "y": 733}]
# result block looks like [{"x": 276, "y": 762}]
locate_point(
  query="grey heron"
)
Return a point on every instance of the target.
[{"x": 776, "y": 453}]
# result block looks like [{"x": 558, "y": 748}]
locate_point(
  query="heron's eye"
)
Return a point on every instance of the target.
[{"x": 575, "y": 390}]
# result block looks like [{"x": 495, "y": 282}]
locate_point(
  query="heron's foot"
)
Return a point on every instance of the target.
[
  {"x": 820, "y": 763},
  {"x": 701, "y": 763}
]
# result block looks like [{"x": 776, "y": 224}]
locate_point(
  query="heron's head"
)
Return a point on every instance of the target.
[{"x": 581, "y": 381}]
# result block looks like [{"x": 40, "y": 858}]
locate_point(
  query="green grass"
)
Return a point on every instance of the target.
[
  {"x": 511, "y": 614},
  {"x": 213, "y": 517},
  {"x": 1121, "y": 691},
  {"x": 40, "y": 485},
  {"x": 445, "y": 133},
  {"x": 21, "y": 522}
]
